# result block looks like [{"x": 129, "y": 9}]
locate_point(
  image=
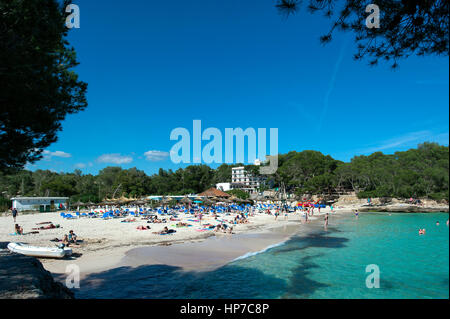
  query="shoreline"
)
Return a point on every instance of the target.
[
  {"x": 121, "y": 245},
  {"x": 200, "y": 253}
]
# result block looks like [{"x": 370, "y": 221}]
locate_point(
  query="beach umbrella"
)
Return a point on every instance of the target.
[
  {"x": 207, "y": 201},
  {"x": 164, "y": 200},
  {"x": 78, "y": 204},
  {"x": 186, "y": 200}
]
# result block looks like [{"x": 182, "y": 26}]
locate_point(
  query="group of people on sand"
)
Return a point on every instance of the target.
[
  {"x": 18, "y": 230},
  {"x": 68, "y": 240},
  {"x": 224, "y": 228},
  {"x": 240, "y": 219},
  {"x": 153, "y": 219}
]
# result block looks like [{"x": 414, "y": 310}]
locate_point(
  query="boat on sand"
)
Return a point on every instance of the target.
[{"x": 35, "y": 251}]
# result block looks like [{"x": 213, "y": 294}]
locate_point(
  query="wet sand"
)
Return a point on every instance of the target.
[
  {"x": 212, "y": 252},
  {"x": 195, "y": 255}
]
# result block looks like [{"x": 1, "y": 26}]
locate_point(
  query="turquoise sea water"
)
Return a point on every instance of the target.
[{"x": 319, "y": 264}]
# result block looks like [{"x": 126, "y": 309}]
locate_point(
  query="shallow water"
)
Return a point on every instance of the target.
[{"x": 318, "y": 264}]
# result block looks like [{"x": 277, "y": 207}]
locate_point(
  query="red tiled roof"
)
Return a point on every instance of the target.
[{"x": 214, "y": 192}]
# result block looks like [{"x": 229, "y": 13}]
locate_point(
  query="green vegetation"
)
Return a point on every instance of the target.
[
  {"x": 407, "y": 27},
  {"x": 38, "y": 86},
  {"x": 421, "y": 172},
  {"x": 239, "y": 193}
]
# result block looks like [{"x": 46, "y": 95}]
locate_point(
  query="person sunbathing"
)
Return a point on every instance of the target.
[
  {"x": 180, "y": 224},
  {"x": 51, "y": 226},
  {"x": 164, "y": 231},
  {"x": 143, "y": 227},
  {"x": 18, "y": 230}
]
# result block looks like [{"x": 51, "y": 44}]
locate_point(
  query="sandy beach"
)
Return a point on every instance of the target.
[{"x": 107, "y": 244}]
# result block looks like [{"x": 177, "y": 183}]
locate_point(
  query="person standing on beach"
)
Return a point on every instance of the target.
[
  {"x": 14, "y": 213},
  {"x": 326, "y": 220}
]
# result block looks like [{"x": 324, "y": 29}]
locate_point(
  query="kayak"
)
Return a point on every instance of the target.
[{"x": 48, "y": 252}]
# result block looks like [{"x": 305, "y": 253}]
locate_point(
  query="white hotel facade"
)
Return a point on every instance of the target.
[{"x": 241, "y": 179}]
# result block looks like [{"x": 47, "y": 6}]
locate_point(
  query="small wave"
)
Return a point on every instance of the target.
[{"x": 250, "y": 254}]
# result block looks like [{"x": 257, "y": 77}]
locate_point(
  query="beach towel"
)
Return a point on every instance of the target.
[
  {"x": 128, "y": 221},
  {"x": 181, "y": 226},
  {"x": 171, "y": 232},
  {"x": 46, "y": 228},
  {"x": 16, "y": 234}
]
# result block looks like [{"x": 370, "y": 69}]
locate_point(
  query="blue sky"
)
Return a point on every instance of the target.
[{"x": 153, "y": 66}]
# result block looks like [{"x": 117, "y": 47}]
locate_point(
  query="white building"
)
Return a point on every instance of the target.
[
  {"x": 241, "y": 179},
  {"x": 42, "y": 204},
  {"x": 224, "y": 187}
]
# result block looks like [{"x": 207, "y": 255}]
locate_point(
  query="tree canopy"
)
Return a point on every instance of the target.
[
  {"x": 420, "y": 172},
  {"x": 407, "y": 27},
  {"x": 38, "y": 86}
]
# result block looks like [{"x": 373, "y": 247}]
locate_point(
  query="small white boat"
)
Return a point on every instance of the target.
[{"x": 48, "y": 252}]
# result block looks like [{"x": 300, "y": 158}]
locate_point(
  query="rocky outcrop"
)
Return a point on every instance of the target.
[
  {"x": 23, "y": 277},
  {"x": 404, "y": 208},
  {"x": 389, "y": 204}
]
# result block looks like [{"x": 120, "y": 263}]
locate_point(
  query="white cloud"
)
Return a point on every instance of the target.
[
  {"x": 80, "y": 165},
  {"x": 115, "y": 158},
  {"x": 156, "y": 156},
  {"x": 47, "y": 154}
]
